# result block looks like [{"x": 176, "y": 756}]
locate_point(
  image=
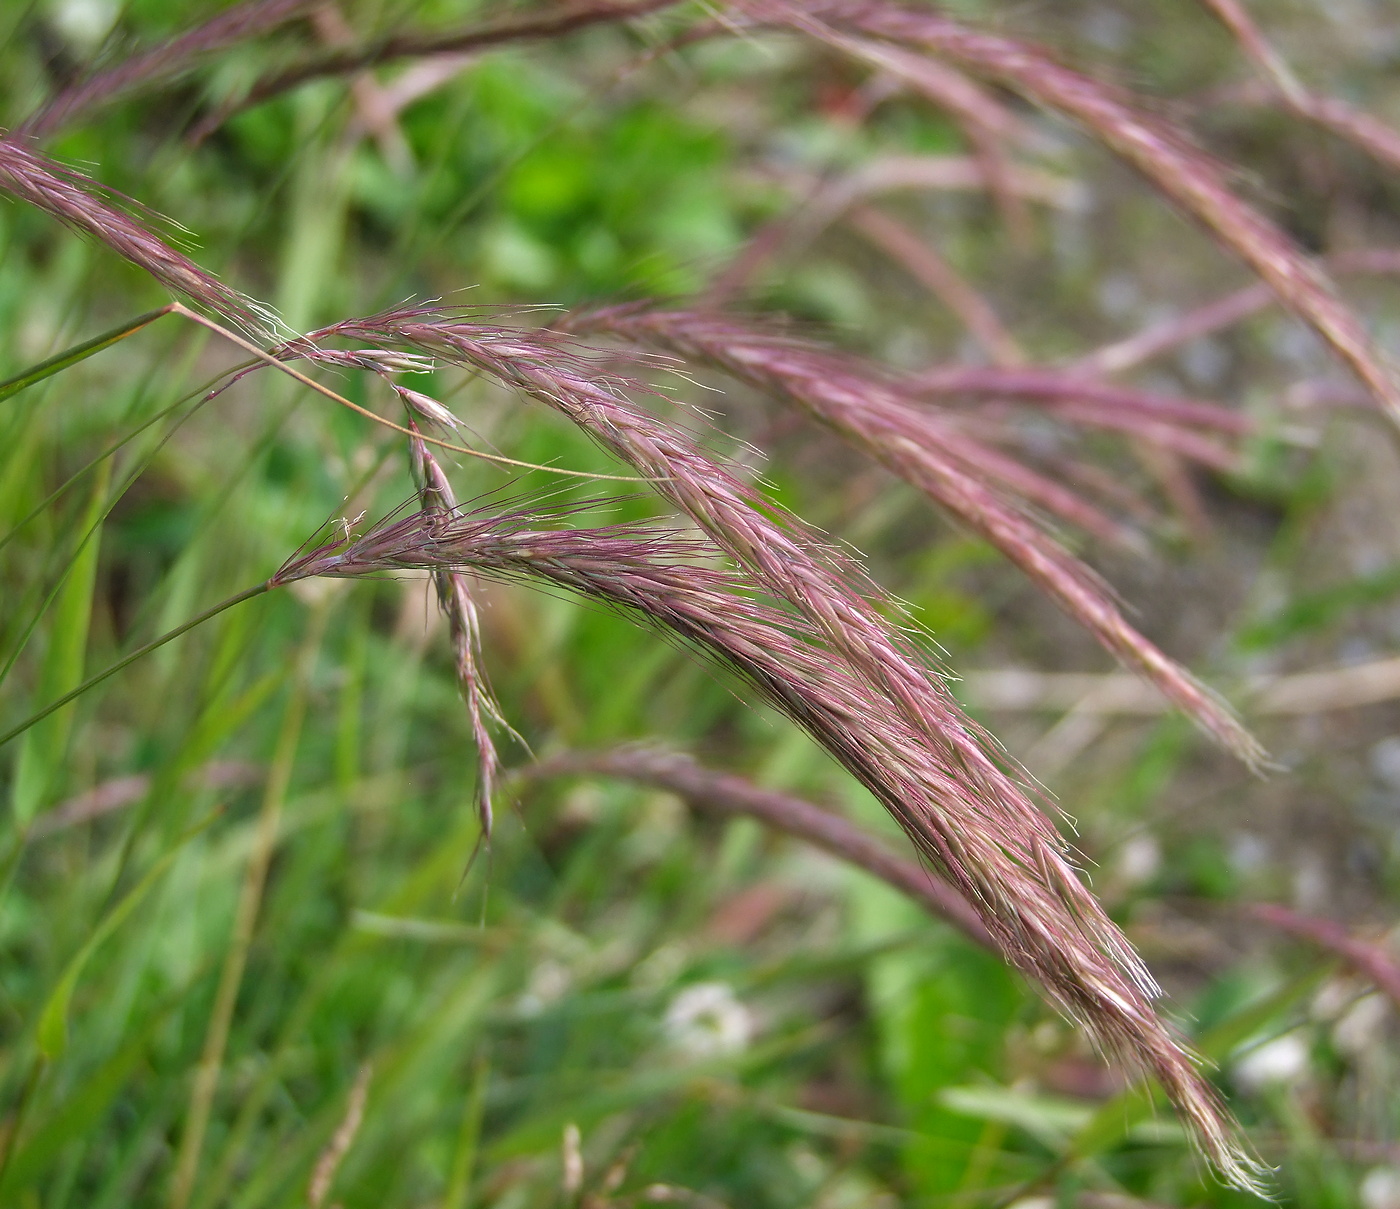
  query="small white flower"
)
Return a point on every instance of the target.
[
  {"x": 85, "y": 22},
  {"x": 1278, "y": 1061},
  {"x": 1380, "y": 1188},
  {"x": 707, "y": 1021}
]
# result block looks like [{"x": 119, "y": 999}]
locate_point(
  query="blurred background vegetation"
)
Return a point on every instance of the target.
[{"x": 269, "y": 823}]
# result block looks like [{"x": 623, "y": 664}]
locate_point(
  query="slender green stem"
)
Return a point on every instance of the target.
[
  {"x": 211, "y": 1060},
  {"x": 38, "y": 508},
  {"x": 71, "y": 356},
  {"x": 154, "y": 644},
  {"x": 136, "y": 473}
]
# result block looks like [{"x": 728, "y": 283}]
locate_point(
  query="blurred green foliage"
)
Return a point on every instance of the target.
[{"x": 723, "y": 1017}]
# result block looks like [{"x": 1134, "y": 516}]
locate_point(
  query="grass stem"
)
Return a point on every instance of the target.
[
  {"x": 93, "y": 681},
  {"x": 206, "y": 1079}
]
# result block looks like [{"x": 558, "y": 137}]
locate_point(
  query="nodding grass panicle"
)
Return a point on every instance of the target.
[
  {"x": 737, "y": 578},
  {"x": 972, "y": 821},
  {"x": 79, "y": 202},
  {"x": 1160, "y": 151},
  {"x": 874, "y": 411}
]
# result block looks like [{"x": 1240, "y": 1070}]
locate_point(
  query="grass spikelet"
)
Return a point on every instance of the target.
[
  {"x": 865, "y": 407},
  {"x": 1000, "y": 853},
  {"x": 1161, "y": 152},
  {"x": 455, "y": 599},
  {"x": 78, "y": 202},
  {"x": 237, "y": 23}
]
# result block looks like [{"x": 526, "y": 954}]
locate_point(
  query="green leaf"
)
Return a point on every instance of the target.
[
  {"x": 79, "y": 352},
  {"x": 75, "y": 1116},
  {"x": 44, "y": 749},
  {"x": 53, "y": 1022}
]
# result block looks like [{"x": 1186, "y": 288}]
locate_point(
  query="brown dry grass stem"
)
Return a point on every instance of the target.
[
  {"x": 237, "y": 24},
  {"x": 1094, "y": 404},
  {"x": 242, "y": 22},
  {"x": 1373, "y": 136},
  {"x": 726, "y": 794},
  {"x": 550, "y": 22},
  {"x": 823, "y": 199},
  {"x": 922, "y": 262},
  {"x": 330, "y": 1159},
  {"x": 1214, "y": 316},
  {"x": 1161, "y": 152},
  {"x": 1369, "y": 959},
  {"x": 1296, "y": 695},
  {"x": 989, "y": 125}
]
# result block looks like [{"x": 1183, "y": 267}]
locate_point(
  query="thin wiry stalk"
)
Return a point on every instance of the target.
[
  {"x": 1161, "y": 152},
  {"x": 1378, "y": 139},
  {"x": 988, "y": 124},
  {"x": 1053, "y": 388},
  {"x": 231, "y": 27},
  {"x": 1001, "y": 854},
  {"x": 1221, "y": 313},
  {"x": 329, "y": 1161},
  {"x": 1370, "y": 960},
  {"x": 78, "y": 202},
  {"x": 925, "y": 265},
  {"x": 548, "y": 22},
  {"x": 865, "y": 407},
  {"x": 376, "y": 112},
  {"x": 725, "y": 793},
  {"x": 822, "y": 200},
  {"x": 994, "y": 412},
  {"x": 1370, "y": 134},
  {"x": 1235, "y": 17}
]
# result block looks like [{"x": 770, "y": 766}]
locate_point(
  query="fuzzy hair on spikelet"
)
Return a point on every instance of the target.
[{"x": 974, "y": 824}]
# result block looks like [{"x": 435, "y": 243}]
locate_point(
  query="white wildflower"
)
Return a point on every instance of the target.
[{"x": 707, "y": 1021}]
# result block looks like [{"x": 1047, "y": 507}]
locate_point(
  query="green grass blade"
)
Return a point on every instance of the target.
[
  {"x": 79, "y": 352},
  {"x": 53, "y": 1022},
  {"x": 468, "y": 1140},
  {"x": 43, "y": 751},
  {"x": 79, "y": 1114},
  {"x": 93, "y": 681}
]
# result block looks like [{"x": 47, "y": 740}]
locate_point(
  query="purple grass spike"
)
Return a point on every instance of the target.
[
  {"x": 78, "y": 202},
  {"x": 996, "y": 849},
  {"x": 866, "y": 407}
]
